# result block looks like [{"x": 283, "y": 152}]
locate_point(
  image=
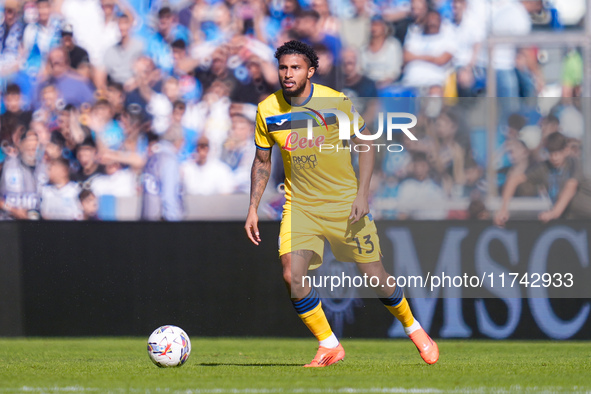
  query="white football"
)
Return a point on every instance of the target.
[{"x": 169, "y": 346}]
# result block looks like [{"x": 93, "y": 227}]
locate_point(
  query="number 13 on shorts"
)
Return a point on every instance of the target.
[
  {"x": 368, "y": 241},
  {"x": 362, "y": 242}
]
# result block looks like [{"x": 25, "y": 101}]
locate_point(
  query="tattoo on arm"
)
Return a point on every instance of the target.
[{"x": 259, "y": 176}]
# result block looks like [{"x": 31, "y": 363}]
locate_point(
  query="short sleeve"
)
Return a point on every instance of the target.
[
  {"x": 347, "y": 107},
  {"x": 262, "y": 138}
]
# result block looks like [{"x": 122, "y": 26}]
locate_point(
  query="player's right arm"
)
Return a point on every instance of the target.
[{"x": 259, "y": 176}]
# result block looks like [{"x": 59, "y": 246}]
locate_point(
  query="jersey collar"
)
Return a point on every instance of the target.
[{"x": 305, "y": 101}]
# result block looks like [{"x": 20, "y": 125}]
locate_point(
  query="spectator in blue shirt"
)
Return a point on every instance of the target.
[
  {"x": 11, "y": 33},
  {"x": 161, "y": 182},
  {"x": 307, "y": 28},
  {"x": 190, "y": 136},
  {"x": 184, "y": 71},
  {"x": 158, "y": 47},
  {"x": 106, "y": 130},
  {"x": 72, "y": 88},
  {"x": 40, "y": 37}
]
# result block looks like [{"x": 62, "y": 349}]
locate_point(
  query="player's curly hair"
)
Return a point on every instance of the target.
[{"x": 295, "y": 47}]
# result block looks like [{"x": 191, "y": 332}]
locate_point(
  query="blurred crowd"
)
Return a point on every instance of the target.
[
  {"x": 449, "y": 161},
  {"x": 110, "y": 99}
]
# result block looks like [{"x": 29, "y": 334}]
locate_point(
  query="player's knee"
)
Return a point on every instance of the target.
[
  {"x": 292, "y": 279},
  {"x": 286, "y": 264},
  {"x": 287, "y": 276},
  {"x": 294, "y": 284}
]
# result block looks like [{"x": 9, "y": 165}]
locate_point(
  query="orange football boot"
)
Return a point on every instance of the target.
[
  {"x": 326, "y": 356},
  {"x": 425, "y": 345}
]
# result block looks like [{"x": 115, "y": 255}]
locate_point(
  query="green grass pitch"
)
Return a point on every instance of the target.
[{"x": 237, "y": 365}]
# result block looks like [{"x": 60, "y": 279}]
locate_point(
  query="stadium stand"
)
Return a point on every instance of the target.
[{"x": 128, "y": 80}]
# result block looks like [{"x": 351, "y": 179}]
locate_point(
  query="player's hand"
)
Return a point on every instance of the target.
[
  {"x": 501, "y": 217},
  {"x": 252, "y": 227},
  {"x": 359, "y": 209},
  {"x": 547, "y": 216}
]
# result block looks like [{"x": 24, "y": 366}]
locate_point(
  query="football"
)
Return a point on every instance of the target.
[{"x": 169, "y": 346}]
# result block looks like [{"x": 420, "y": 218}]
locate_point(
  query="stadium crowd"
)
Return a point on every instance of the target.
[{"x": 108, "y": 99}]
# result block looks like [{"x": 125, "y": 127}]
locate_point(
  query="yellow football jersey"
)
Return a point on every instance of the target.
[{"x": 319, "y": 174}]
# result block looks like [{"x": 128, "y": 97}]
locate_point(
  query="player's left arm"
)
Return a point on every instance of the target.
[{"x": 360, "y": 206}]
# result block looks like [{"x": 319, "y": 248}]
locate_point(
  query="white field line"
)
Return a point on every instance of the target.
[{"x": 346, "y": 390}]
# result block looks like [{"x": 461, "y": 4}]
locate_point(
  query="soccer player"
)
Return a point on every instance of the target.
[{"x": 324, "y": 200}]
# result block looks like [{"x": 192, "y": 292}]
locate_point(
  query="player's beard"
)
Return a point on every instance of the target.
[{"x": 294, "y": 93}]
